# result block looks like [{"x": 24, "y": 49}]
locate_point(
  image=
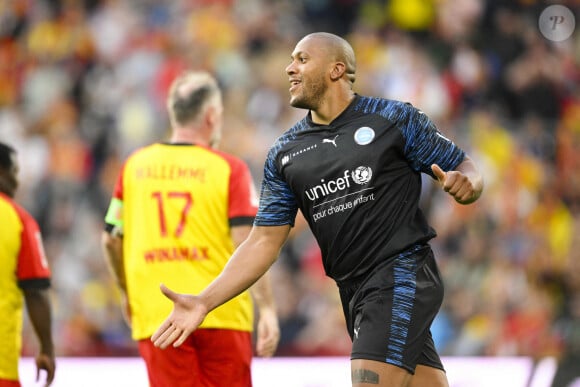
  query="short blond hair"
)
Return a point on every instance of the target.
[{"x": 189, "y": 94}]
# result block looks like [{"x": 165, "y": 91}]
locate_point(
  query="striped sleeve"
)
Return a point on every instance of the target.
[
  {"x": 425, "y": 144},
  {"x": 278, "y": 205}
]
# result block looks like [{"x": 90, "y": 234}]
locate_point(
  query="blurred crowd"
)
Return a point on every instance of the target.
[{"x": 83, "y": 84}]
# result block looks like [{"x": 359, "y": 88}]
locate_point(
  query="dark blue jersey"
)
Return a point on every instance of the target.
[{"x": 357, "y": 181}]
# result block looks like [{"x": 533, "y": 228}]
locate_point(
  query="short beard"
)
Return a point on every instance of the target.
[{"x": 311, "y": 97}]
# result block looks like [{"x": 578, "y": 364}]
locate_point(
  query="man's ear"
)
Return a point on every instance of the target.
[
  {"x": 337, "y": 71},
  {"x": 211, "y": 116}
]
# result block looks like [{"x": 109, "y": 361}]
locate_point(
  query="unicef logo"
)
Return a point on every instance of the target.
[
  {"x": 557, "y": 23},
  {"x": 362, "y": 175},
  {"x": 364, "y": 135}
]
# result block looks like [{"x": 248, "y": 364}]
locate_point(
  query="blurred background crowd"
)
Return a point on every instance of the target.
[{"x": 83, "y": 84}]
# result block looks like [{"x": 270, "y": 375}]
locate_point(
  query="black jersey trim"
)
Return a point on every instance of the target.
[
  {"x": 241, "y": 221},
  {"x": 34, "y": 283}
]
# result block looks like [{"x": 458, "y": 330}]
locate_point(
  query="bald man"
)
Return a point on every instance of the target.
[
  {"x": 353, "y": 167},
  {"x": 178, "y": 211}
]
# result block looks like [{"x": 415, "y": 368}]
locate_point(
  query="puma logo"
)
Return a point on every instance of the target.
[{"x": 328, "y": 140}]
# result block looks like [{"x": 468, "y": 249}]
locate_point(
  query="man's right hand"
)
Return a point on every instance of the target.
[
  {"x": 47, "y": 363},
  {"x": 188, "y": 312}
]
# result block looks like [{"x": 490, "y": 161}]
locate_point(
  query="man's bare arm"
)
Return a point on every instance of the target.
[
  {"x": 248, "y": 263},
  {"x": 113, "y": 252}
]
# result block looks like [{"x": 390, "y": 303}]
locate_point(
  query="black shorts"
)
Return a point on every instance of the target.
[{"x": 390, "y": 311}]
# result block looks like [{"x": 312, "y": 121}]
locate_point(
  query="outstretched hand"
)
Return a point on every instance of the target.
[
  {"x": 456, "y": 184},
  {"x": 188, "y": 312}
]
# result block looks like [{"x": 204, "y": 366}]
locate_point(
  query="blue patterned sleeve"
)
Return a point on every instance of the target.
[
  {"x": 425, "y": 145},
  {"x": 277, "y": 202}
]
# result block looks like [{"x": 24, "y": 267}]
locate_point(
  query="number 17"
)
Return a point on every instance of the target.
[{"x": 185, "y": 195}]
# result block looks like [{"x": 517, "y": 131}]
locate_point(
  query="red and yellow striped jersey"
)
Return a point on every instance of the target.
[
  {"x": 22, "y": 263},
  {"x": 175, "y": 204}
]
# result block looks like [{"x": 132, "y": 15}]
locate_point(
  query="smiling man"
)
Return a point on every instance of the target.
[{"x": 349, "y": 147}]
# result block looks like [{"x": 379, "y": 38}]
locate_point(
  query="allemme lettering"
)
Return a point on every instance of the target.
[{"x": 169, "y": 172}]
